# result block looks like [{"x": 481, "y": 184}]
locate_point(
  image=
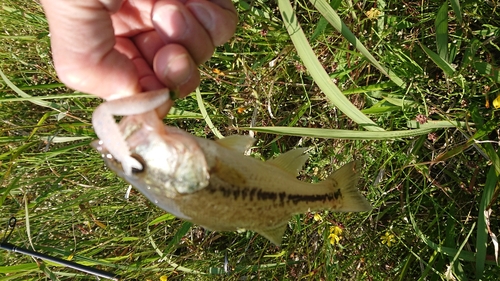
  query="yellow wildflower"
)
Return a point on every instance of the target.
[
  {"x": 163, "y": 278},
  {"x": 373, "y": 13},
  {"x": 318, "y": 217},
  {"x": 388, "y": 239},
  {"x": 335, "y": 233},
  {"x": 496, "y": 102}
]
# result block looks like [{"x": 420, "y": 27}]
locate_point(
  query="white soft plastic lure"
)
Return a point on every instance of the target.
[
  {"x": 211, "y": 183},
  {"x": 141, "y": 106}
]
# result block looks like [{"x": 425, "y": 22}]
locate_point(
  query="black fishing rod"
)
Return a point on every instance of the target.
[{"x": 87, "y": 269}]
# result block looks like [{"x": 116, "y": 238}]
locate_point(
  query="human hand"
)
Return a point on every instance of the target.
[{"x": 117, "y": 48}]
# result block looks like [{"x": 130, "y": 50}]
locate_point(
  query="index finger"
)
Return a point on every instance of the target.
[{"x": 83, "y": 40}]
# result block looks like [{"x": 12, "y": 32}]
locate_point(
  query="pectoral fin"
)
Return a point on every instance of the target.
[
  {"x": 238, "y": 143},
  {"x": 274, "y": 235},
  {"x": 291, "y": 161}
]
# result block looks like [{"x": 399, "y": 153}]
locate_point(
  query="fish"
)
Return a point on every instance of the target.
[{"x": 212, "y": 183}]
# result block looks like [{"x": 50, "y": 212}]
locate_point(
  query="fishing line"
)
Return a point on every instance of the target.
[{"x": 13, "y": 248}]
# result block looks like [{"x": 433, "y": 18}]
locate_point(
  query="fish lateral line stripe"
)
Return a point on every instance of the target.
[{"x": 283, "y": 197}]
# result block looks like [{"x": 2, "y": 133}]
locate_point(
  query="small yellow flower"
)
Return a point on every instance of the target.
[
  {"x": 496, "y": 102},
  {"x": 318, "y": 217},
  {"x": 336, "y": 230},
  {"x": 163, "y": 278},
  {"x": 218, "y": 72},
  {"x": 334, "y": 239},
  {"x": 373, "y": 13},
  {"x": 388, "y": 239},
  {"x": 335, "y": 233}
]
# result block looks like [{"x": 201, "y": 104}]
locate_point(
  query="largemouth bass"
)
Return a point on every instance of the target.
[{"x": 212, "y": 183}]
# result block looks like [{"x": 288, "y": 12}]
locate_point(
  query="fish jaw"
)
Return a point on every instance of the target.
[{"x": 172, "y": 161}]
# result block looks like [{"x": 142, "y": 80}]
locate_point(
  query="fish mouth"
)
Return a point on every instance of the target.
[
  {"x": 112, "y": 162},
  {"x": 97, "y": 145},
  {"x": 141, "y": 160}
]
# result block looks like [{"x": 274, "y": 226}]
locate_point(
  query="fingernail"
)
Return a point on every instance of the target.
[
  {"x": 202, "y": 14},
  {"x": 178, "y": 70},
  {"x": 171, "y": 21}
]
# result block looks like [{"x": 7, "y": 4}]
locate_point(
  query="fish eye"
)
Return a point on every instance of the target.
[{"x": 141, "y": 160}]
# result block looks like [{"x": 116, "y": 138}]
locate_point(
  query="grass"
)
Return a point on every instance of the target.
[{"x": 413, "y": 98}]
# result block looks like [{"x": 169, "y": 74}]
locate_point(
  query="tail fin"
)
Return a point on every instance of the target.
[{"x": 346, "y": 178}]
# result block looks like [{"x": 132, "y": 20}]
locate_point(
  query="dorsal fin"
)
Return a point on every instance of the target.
[
  {"x": 239, "y": 143},
  {"x": 274, "y": 235},
  {"x": 291, "y": 161}
]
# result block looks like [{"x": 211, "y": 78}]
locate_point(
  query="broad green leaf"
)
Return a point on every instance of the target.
[{"x": 441, "y": 24}]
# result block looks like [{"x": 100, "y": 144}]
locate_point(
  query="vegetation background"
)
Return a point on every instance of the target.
[{"x": 417, "y": 101}]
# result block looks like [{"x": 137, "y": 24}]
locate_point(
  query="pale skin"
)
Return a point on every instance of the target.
[{"x": 118, "y": 48}]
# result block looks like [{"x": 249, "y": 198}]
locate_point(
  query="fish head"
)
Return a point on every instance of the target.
[{"x": 173, "y": 162}]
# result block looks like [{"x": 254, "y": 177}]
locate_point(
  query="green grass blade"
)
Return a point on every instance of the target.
[
  {"x": 339, "y": 134},
  {"x": 448, "y": 251},
  {"x": 470, "y": 52},
  {"x": 316, "y": 69},
  {"x": 29, "y": 98},
  {"x": 173, "y": 244},
  {"x": 368, "y": 88},
  {"x": 482, "y": 228},
  {"x": 63, "y": 139},
  {"x": 438, "y": 124},
  {"x": 440, "y": 62},
  {"x": 381, "y": 108},
  {"x": 457, "y": 255},
  {"x": 6, "y": 191},
  {"x": 184, "y": 228},
  {"x": 487, "y": 70},
  {"x": 441, "y": 24},
  {"x": 455, "y": 5},
  {"x": 19, "y": 267},
  {"x": 165, "y": 217},
  {"x": 48, "y": 97},
  {"x": 333, "y": 18},
  {"x": 205, "y": 115},
  {"x": 176, "y": 113}
]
